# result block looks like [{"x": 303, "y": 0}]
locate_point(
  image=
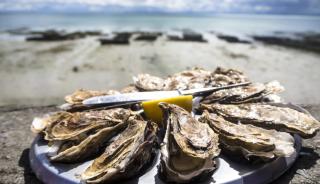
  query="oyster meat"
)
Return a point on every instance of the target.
[
  {"x": 126, "y": 155},
  {"x": 248, "y": 140},
  {"x": 222, "y": 76},
  {"x": 189, "y": 147},
  {"x": 243, "y": 94},
  {"x": 77, "y": 136},
  {"x": 268, "y": 116},
  {"x": 146, "y": 82},
  {"x": 190, "y": 79}
]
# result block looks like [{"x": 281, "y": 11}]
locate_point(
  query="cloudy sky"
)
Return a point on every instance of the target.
[{"x": 166, "y": 6}]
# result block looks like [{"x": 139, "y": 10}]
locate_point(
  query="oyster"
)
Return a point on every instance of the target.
[
  {"x": 74, "y": 101},
  {"x": 268, "y": 116},
  {"x": 243, "y": 94},
  {"x": 129, "y": 152},
  {"x": 248, "y": 140},
  {"x": 186, "y": 141},
  {"x": 194, "y": 78},
  {"x": 222, "y": 77},
  {"x": 76, "y": 136},
  {"x": 65, "y": 125},
  {"x": 146, "y": 82}
]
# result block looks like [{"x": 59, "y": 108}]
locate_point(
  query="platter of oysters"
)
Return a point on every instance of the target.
[{"x": 230, "y": 130}]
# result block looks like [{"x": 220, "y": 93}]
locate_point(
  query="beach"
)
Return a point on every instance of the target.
[
  {"x": 40, "y": 64},
  {"x": 42, "y": 73}
]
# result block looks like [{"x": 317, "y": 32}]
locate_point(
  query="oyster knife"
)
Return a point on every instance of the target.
[{"x": 152, "y": 95}]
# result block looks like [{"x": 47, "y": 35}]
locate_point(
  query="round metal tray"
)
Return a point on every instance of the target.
[{"x": 228, "y": 171}]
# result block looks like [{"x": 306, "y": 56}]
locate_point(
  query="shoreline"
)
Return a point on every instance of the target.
[
  {"x": 309, "y": 41},
  {"x": 43, "y": 72}
]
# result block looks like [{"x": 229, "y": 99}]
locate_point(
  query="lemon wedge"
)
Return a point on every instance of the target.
[{"x": 154, "y": 113}]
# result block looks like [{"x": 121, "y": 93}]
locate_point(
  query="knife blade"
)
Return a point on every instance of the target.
[
  {"x": 152, "y": 95},
  {"x": 129, "y": 97}
]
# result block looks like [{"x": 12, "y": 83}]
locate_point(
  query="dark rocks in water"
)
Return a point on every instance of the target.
[
  {"x": 121, "y": 38},
  {"x": 188, "y": 36},
  {"x": 310, "y": 42},
  {"x": 145, "y": 36},
  {"x": 50, "y": 35},
  {"x": 53, "y": 35},
  {"x": 194, "y": 37},
  {"x": 232, "y": 39}
]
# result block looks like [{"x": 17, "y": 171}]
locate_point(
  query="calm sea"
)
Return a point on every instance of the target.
[{"x": 239, "y": 24}]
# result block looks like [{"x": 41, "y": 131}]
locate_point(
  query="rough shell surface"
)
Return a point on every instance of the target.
[
  {"x": 268, "y": 116},
  {"x": 186, "y": 141},
  {"x": 125, "y": 156},
  {"x": 249, "y": 140}
]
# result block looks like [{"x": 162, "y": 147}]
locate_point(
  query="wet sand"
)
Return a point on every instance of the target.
[{"x": 41, "y": 73}]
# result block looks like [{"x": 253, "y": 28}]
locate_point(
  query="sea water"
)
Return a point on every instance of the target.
[{"x": 229, "y": 23}]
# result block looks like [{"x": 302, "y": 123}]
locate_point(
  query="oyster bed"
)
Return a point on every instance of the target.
[{"x": 240, "y": 121}]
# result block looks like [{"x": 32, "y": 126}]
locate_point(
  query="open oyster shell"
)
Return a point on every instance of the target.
[
  {"x": 76, "y": 136},
  {"x": 268, "y": 116},
  {"x": 222, "y": 76},
  {"x": 248, "y": 140},
  {"x": 146, "y": 82},
  {"x": 65, "y": 125},
  {"x": 189, "y": 147},
  {"x": 244, "y": 94},
  {"x": 189, "y": 79},
  {"x": 126, "y": 155}
]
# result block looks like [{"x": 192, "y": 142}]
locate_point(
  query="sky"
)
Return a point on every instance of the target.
[{"x": 165, "y": 6}]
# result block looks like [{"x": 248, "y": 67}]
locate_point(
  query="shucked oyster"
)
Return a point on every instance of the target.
[
  {"x": 194, "y": 78},
  {"x": 65, "y": 125},
  {"x": 129, "y": 152},
  {"x": 146, "y": 82},
  {"x": 248, "y": 140},
  {"x": 268, "y": 116},
  {"x": 77, "y": 136},
  {"x": 189, "y": 147},
  {"x": 222, "y": 77},
  {"x": 243, "y": 94},
  {"x": 190, "y": 79}
]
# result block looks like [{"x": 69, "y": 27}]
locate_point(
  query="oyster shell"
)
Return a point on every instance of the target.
[
  {"x": 186, "y": 141},
  {"x": 222, "y": 76},
  {"x": 194, "y": 78},
  {"x": 77, "y": 136},
  {"x": 268, "y": 116},
  {"x": 248, "y": 140},
  {"x": 129, "y": 152},
  {"x": 146, "y": 82},
  {"x": 244, "y": 94},
  {"x": 65, "y": 125}
]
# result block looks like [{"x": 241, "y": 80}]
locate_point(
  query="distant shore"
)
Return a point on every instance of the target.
[
  {"x": 41, "y": 72},
  {"x": 309, "y": 41}
]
